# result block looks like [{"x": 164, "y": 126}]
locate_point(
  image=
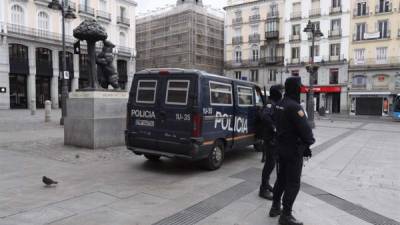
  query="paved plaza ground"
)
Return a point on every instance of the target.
[{"x": 353, "y": 179}]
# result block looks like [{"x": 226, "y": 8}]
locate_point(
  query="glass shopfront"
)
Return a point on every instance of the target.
[
  {"x": 44, "y": 73},
  {"x": 19, "y": 71}
]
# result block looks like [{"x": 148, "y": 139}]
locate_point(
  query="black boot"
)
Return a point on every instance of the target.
[
  {"x": 265, "y": 193},
  {"x": 275, "y": 210},
  {"x": 288, "y": 219}
]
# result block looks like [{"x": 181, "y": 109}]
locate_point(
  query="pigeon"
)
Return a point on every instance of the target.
[{"x": 48, "y": 182}]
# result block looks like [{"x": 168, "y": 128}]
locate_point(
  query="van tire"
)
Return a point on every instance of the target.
[
  {"x": 216, "y": 157},
  {"x": 153, "y": 158}
]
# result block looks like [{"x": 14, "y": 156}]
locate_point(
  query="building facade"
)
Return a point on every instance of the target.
[
  {"x": 332, "y": 17},
  {"x": 254, "y": 41},
  {"x": 374, "y": 68},
  {"x": 187, "y": 35},
  {"x": 31, "y": 51}
]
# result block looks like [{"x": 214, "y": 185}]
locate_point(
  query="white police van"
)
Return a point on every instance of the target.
[{"x": 190, "y": 114}]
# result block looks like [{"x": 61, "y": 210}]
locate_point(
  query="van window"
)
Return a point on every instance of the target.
[
  {"x": 146, "y": 91},
  {"x": 259, "y": 101},
  {"x": 220, "y": 93},
  {"x": 245, "y": 96},
  {"x": 177, "y": 92}
]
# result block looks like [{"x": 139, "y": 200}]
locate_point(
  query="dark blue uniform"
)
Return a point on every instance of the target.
[{"x": 294, "y": 137}]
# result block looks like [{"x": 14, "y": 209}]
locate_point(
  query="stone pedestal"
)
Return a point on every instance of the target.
[{"x": 95, "y": 119}]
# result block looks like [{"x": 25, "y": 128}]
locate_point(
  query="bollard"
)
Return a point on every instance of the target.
[
  {"x": 33, "y": 106},
  {"x": 47, "y": 111}
]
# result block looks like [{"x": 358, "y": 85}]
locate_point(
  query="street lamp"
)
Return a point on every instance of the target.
[
  {"x": 312, "y": 68},
  {"x": 65, "y": 14}
]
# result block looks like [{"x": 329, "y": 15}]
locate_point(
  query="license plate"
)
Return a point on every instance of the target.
[{"x": 145, "y": 123}]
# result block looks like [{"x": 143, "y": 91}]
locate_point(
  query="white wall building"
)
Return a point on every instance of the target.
[
  {"x": 331, "y": 51},
  {"x": 30, "y": 47}
]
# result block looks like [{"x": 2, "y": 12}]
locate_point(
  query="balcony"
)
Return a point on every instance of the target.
[
  {"x": 383, "y": 9},
  {"x": 250, "y": 63},
  {"x": 29, "y": 33},
  {"x": 42, "y": 2},
  {"x": 122, "y": 50},
  {"x": 389, "y": 62},
  {"x": 360, "y": 12},
  {"x": 294, "y": 38},
  {"x": 294, "y": 61},
  {"x": 315, "y": 13},
  {"x": 123, "y": 21},
  {"x": 237, "y": 40},
  {"x": 101, "y": 15},
  {"x": 254, "y": 18},
  {"x": 272, "y": 34},
  {"x": 295, "y": 15},
  {"x": 336, "y": 33},
  {"x": 335, "y": 10},
  {"x": 237, "y": 21},
  {"x": 254, "y": 38},
  {"x": 86, "y": 10},
  {"x": 273, "y": 60},
  {"x": 372, "y": 36},
  {"x": 336, "y": 58},
  {"x": 272, "y": 14}
]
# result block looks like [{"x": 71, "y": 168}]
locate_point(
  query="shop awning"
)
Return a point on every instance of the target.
[{"x": 322, "y": 89}]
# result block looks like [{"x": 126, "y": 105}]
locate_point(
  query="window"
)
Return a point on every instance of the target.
[
  {"x": 384, "y": 6},
  {"x": 238, "y": 32},
  {"x": 238, "y": 55},
  {"x": 295, "y": 53},
  {"x": 360, "y": 30},
  {"x": 381, "y": 55},
  {"x": 254, "y": 76},
  {"x": 272, "y": 26},
  {"x": 103, "y": 5},
  {"x": 146, "y": 91},
  {"x": 361, "y": 9},
  {"x": 238, "y": 75},
  {"x": 122, "y": 12},
  {"x": 383, "y": 29},
  {"x": 43, "y": 21},
  {"x": 220, "y": 93},
  {"x": 177, "y": 92},
  {"x": 17, "y": 15},
  {"x": 122, "y": 39},
  {"x": 238, "y": 14},
  {"x": 254, "y": 29},
  {"x": 397, "y": 81},
  {"x": 296, "y": 29},
  {"x": 245, "y": 96},
  {"x": 334, "y": 76},
  {"x": 255, "y": 11},
  {"x": 359, "y": 56},
  {"x": 255, "y": 53},
  {"x": 273, "y": 9},
  {"x": 335, "y": 24},
  {"x": 336, "y": 3},
  {"x": 359, "y": 81},
  {"x": 335, "y": 50},
  {"x": 295, "y": 73},
  {"x": 316, "y": 50},
  {"x": 272, "y": 75}
]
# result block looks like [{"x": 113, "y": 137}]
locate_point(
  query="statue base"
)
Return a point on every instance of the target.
[{"x": 95, "y": 119}]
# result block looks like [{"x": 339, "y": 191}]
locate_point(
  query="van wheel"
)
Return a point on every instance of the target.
[
  {"x": 152, "y": 157},
  {"x": 216, "y": 156}
]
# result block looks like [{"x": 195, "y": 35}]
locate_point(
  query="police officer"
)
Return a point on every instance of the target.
[
  {"x": 294, "y": 137},
  {"x": 269, "y": 131}
]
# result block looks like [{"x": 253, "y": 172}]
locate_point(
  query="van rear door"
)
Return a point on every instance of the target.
[
  {"x": 143, "y": 110},
  {"x": 174, "y": 120}
]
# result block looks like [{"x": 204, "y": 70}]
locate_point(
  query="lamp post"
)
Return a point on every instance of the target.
[
  {"x": 312, "y": 68},
  {"x": 285, "y": 70},
  {"x": 65, "y": 14}
]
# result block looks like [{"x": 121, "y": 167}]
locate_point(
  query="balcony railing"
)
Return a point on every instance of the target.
[
  {"x": 254, "y": 38},
  {"x": 271, "y": 34},
  {"x": 272, "y": 60},
  {"x": 238, "y": 20},
  {"x": 40, "y": 35},
  {"x": 335, "y": 10},
  {"x": 103, "y": 15},
  {"x": 295, "y": 15},
  {"x": 231, "y": 64},
  {"x": 371, "y": 62},
  {"x": 336, "y": 58},
  {"x": 237, "y": 40},
  {"x": 335, "y": 33},
  {"x": 294, "y": 61},
  {"x": 254, "y": 18},
  {"x": 372, "y": 36},
  {"x": 383, "y": 9},
  {"x": 85, "y": 9},
  {"x": 123, "y": 50},
  {"x": 123, "y": 20},
  {"x": 295, "y": 37},
  {"x": 361, "y": 12},
  {"x": 273, "y": 14},
  {"x": 315, "y": 12}
]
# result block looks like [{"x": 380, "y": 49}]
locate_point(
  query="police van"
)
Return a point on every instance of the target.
[{"x": 190, "y": 114}]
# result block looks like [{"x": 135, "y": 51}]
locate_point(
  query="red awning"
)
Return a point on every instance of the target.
[{"x": 323, "y": 89}]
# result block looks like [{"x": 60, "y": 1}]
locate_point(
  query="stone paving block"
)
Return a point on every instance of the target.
[
  {"x": 85, "y": 202},
  {"x": 39, "y": 216},
  {"x": 138, "y": 204}
]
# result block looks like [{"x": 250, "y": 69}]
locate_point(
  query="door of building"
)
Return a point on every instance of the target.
[
  {"x": 336, "y": 103},
  {"x": 369, "y": 106},
  {"x": 42, "y": 90},
  {"x": 18, "y": 91}
]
